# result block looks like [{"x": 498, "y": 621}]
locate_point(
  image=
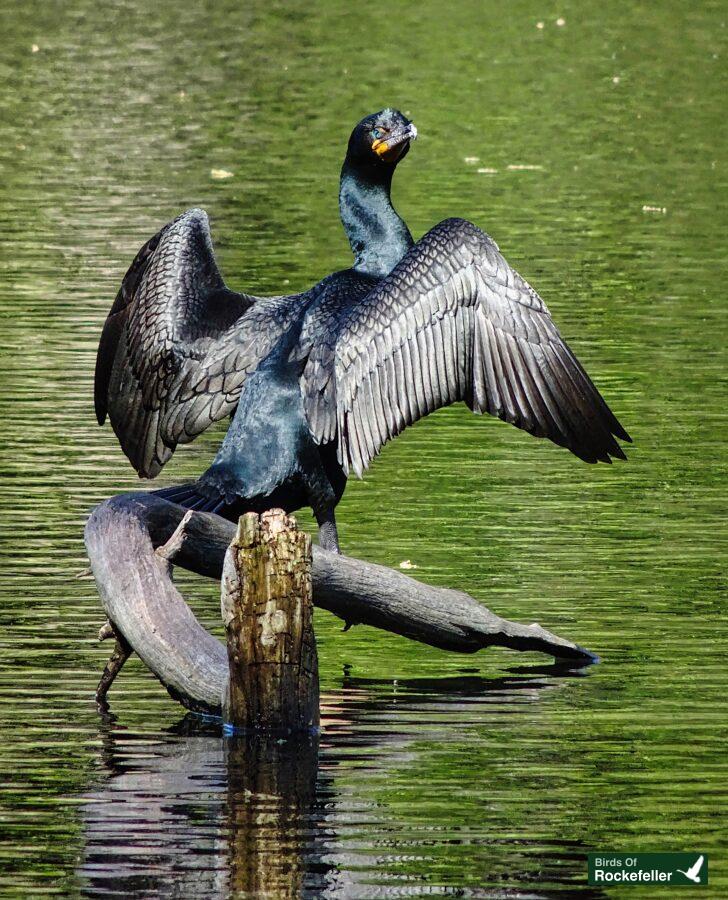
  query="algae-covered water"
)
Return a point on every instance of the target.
[{"x": 594, "y": 152}]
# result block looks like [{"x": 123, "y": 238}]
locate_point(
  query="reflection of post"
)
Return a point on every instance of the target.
[
  {"x": 268, "y": 614},
  {"x": 197, "y": 816},
  {"x": 271, "y": 788}
]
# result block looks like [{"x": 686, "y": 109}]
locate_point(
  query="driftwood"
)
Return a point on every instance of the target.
[
  {"x": 133, "y": 539},
  {"x": 268, "y": 616}
]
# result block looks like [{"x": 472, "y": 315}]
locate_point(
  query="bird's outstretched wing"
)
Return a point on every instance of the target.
[
  {"x": 178, "y": 345},
  {"x": 452, "y": 321}
]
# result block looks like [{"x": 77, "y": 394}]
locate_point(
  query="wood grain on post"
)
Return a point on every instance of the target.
[{"x": 267, "y": 610}]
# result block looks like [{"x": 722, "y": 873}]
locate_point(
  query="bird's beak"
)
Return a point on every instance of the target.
[{"x": 391, "y": 148}]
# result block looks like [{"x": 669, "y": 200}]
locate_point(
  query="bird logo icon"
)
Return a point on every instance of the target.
[{"x": 692, "y": 872}]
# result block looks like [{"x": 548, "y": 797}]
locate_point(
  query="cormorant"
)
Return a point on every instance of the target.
[{"x": 318, "y": 382}]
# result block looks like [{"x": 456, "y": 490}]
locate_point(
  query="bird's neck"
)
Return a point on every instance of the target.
[{"x": 378, "y": 237}]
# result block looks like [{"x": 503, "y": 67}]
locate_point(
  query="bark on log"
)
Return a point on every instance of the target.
[
  {"x": 132, "y": 538},
  {"x": 268, "y": 617}
]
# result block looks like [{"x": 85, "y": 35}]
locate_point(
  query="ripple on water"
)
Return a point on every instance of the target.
[{"x": 435, "y": 774}]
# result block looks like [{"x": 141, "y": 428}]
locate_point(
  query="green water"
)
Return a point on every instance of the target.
[{"x": 438, "y": 775}]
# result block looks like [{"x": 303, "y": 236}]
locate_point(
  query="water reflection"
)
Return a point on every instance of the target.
[
  {"x": 271, "y": 791},
  {"x": 110, "y": 130},
  {"x": 196, "y": 814},
  {"x": 206, "y": 815}
]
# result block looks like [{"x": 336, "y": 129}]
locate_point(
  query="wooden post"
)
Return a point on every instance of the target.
[{"x": 267, "y": 610}]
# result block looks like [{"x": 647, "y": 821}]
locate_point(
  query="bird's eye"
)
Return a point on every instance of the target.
[{"x": 376, "y": 133}]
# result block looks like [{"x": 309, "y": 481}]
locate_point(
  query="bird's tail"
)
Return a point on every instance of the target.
[{"x": 192, "y": 496}]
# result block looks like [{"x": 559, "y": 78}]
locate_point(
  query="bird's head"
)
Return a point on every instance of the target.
[{"x": 382, "y": 139}]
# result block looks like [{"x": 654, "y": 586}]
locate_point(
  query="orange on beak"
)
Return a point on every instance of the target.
[{"x": 380, "y": 146}]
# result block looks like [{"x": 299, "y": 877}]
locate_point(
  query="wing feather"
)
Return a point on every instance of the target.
[
  {"x": 452, "y": 321},
  {"x": 178, "y": 345}
]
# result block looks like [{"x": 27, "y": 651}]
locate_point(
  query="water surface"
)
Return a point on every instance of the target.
[{"x": 593, "y": 153}]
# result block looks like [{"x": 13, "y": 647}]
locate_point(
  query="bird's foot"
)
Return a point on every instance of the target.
[{"x": 328, "y": 538}]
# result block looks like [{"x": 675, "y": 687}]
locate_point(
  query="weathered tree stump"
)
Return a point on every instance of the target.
[{"x": 268, "y": 615}]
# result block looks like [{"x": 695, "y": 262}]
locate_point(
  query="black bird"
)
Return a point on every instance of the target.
[{"x": 318, "y": 382}]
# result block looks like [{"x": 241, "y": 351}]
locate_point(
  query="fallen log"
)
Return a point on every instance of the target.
[{"x": 133, "y": 539}]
